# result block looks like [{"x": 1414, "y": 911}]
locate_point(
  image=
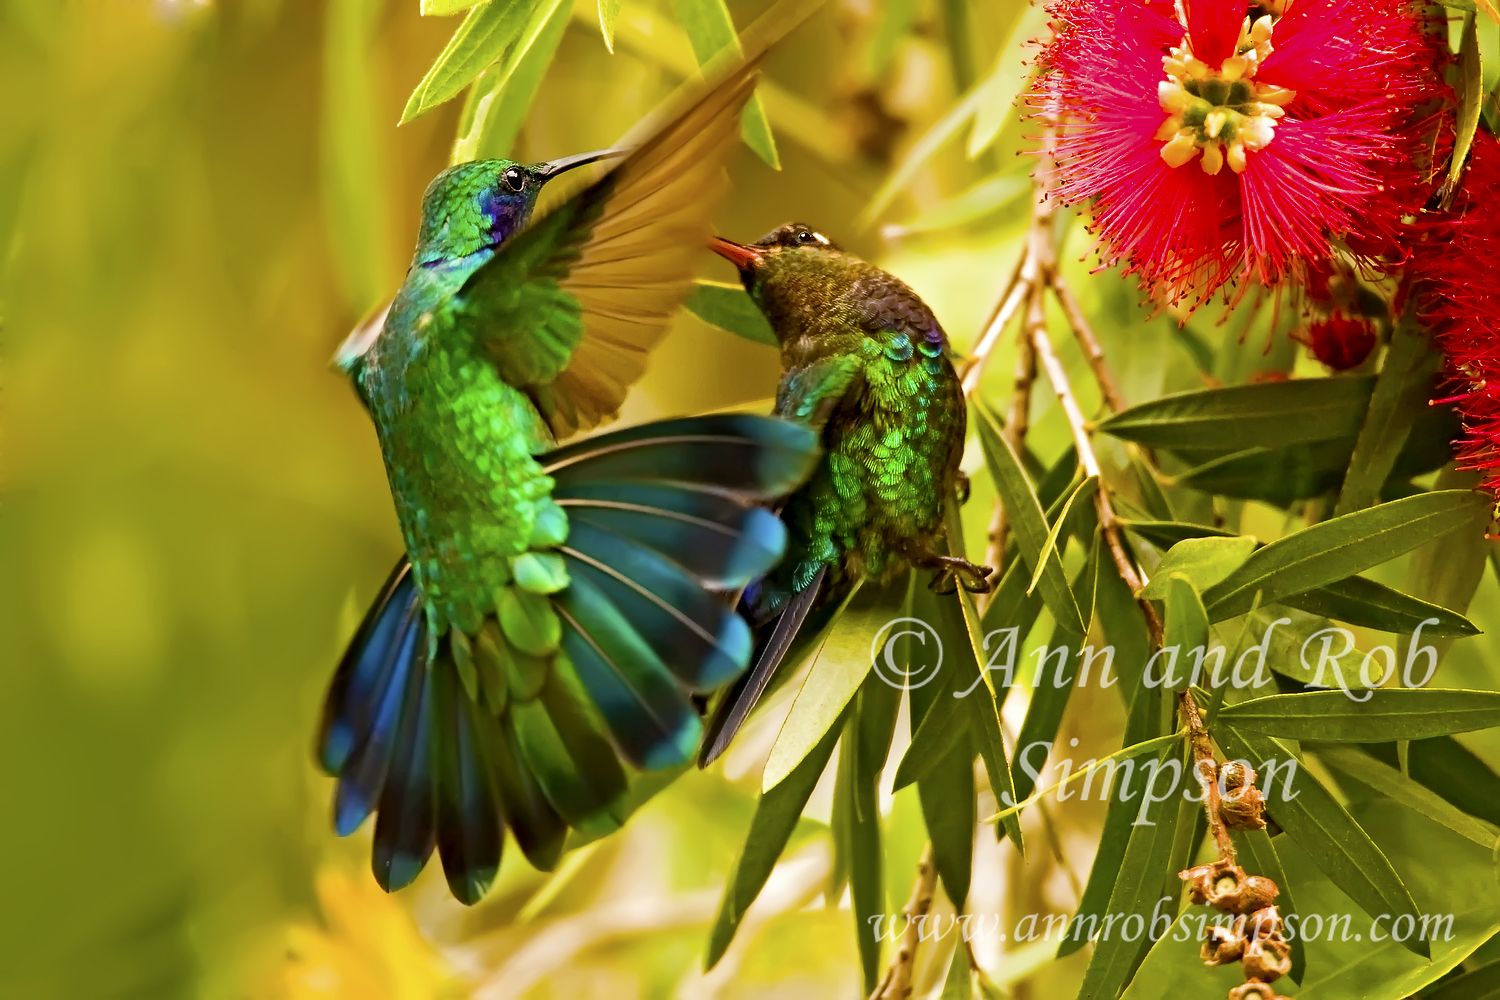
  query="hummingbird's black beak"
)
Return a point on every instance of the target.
[
  {"x": 741, "y": 256},
  {"x": 551, "y": 168}
]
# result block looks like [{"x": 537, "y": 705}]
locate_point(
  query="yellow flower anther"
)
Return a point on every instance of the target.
[{"x": 1222, "y": 113}]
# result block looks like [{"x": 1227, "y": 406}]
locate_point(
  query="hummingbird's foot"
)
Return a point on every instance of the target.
[
  {"x": 954, "y": 572},
  {"x": 961, "y": 484}
]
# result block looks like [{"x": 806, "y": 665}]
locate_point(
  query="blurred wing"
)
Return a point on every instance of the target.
[{"x": 572, "y": 306}]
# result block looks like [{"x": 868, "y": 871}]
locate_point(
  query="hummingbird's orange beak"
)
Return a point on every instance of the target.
[{"x": 738, "y": 254}]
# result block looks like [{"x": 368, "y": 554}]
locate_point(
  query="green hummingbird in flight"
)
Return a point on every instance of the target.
[
  {"x": 866, "y": 365},
  {"x": 555, "y": 612}
]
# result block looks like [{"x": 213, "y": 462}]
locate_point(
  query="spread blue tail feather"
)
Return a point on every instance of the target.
[
  {"x": 405, "y": 821},
  {"x": 648, "y": 713},
  {"x": 695, "y": 633},
  {"x": 532, "y": 819},
  {"x": 717, "y": 537},
  {"x": 659, "y": 515},
  {"x": 366, "y": 667},
  {"x": 564, "y": 746},
  {"x": 757, "y": 457},
  {"x": 469, "y": 837}
]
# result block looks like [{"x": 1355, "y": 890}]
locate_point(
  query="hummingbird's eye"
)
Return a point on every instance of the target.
[
  {"x": 515, "y": 179},
  {"x": 806, "y": 237}
]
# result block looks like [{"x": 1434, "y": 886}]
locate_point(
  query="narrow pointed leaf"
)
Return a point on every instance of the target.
[
  {"x": 1470, "y": 102},
  {"x": 839, "y": 666},
  {"x": 443, "y": 8},
  {"x": 483, "y": 36},
  {"x": 502, "y": 96},
  {"x": 1260, "y": 415},
  {"x": 1083, "y": 492},
  {"x": 1137, "y": 891},
  {"x": 1363, "y": 602},
  {"x": 710, "y": 29},
  {"x": 609, "y": 11},
  {"x": 1203, "y": 561},
  {"x": 1400, "y": 395},
  {"x": 1376, "y": 717},
  {"x": 1028, "y": 522},
  {"x": 727, "y": 307},
  {"x": 1397, "y": 787},
  {"x": 1340, "y": 547},
  {"x": 776, "y": 816}
]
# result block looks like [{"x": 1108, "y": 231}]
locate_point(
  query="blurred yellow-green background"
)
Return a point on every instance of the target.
[{"x": 198, "y": 198}]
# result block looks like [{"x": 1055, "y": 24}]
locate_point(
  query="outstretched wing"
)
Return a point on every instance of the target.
[{"x": 574, "y": 304}]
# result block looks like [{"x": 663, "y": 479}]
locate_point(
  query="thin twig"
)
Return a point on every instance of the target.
[
  {"x": 1204, "y": 765},
  {"x": 897, "y": 982},
  {"x": 1016, "y": 290},
  {"x": 1108, "y": 387}
]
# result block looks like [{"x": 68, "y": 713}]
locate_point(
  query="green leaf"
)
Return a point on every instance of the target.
[
  {"x": 1470, "y": 101},
  {"x": 1137, "y": 891},
  {"x": 1401, "y": 392},
  {"x": 955, "y": 613},
  {"x": 442, "y": 8},
  {"x": 1126, "y": 791},
  {"x": 1475, "y": 984},
  {"x": 1057, "y": 672},
  {"x": 1259, "y": 415},
  {"x": 1186, "y": 627},
  {"x": 1448, "y": 768},
  {"x": 1315, "y": 821},
  {"x": 1363, "y": 602},
  {"x": 1397, "y": 787},
  {"x": 1084, "y": 492},
  {"x": 935, "y": 138},
  {"x": 1340, "y": 547},
  {"x": 867, "y": 742},
  {"x": 609, "y": 11},
  {"x": 1275, "y": 475},
  {"x": 710, "y": 30},
  {"x": 502, "y": 96},
  {"x": 1165, "y": 534},
  {"x": 981, "y": 199},
  {"x": 1001, "y": 86},
  {"x": 1028, "y": 522},
  {"x": 897, "y": 17},
  {"x": 945, "y": 786},
  {"x": 960, "y": 982},
  {"x": 1378, "y": 715},
  {"x": 776, "y": 816},
  {"x": 839, "y": 667},
  {"x": 1259, "y": 857},
  {"x": 486, "y": 32},
  {"x": 729, "y": 308},
  {"x": 1203, "y": 561},
  {"x": 1356, "y": 599}
]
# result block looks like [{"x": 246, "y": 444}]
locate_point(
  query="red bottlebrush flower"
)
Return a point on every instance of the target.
[
  {"x": 1340, "y": 342},
  {"x": 1242, "y": 140},
  {"x": 1452, "y": 277}
]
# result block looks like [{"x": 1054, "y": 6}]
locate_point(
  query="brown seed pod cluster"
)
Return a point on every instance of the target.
[{"x": 1256, "y": 936}]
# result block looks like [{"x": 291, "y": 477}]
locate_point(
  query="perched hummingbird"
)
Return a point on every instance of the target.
[
  {"x": 866, "y": 365},
  {"x": 555, "y": 611}
]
